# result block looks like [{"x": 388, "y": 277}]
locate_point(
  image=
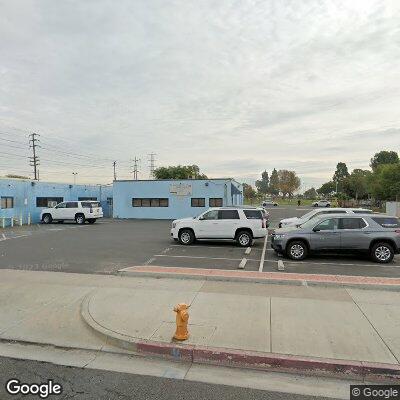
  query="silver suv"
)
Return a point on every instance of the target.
[{"x": 376, "y": 234}]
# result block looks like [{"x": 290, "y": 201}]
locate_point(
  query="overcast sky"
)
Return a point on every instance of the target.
[{"x": 233, "y": 86}]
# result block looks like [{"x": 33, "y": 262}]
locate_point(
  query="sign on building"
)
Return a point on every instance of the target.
[{"x": 181, "y": 189}]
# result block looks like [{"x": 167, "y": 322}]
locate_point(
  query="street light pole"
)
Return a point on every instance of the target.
[{"x": 74, "y": 174}]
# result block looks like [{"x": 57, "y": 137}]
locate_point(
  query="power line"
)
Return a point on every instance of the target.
[{"x": 34, "y": 160}]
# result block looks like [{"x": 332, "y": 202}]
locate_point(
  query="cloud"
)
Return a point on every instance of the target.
[{"x": 235, "y": 87}]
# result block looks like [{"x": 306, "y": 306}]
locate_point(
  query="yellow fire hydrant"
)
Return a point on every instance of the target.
[{"x": 182, "y": 318}]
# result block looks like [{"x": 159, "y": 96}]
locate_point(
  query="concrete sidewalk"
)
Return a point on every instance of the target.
[{"x": 353, "y": 326}]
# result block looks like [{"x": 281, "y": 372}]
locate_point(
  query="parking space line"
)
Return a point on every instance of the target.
[
  {"x": 149, "y": 261},
  {"x": 248, "y": 250},
  {"x": 344, "y": 264},
  {"x": 260, "y": 269},
  {"x": 214, "y": 247},
  {"x": 204, "y": 258}
]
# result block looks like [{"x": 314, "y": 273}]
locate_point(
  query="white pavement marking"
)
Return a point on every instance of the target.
[
  {"x": 242, "y": 263},
  {"x": 204, "y": 258},
  {"x": 248, "y": 250},
  {"x": 263, "y": 254},
  {"x": 281, "y": 265},
  {"x": 233, "y": 247},
  {"x": 344, "y": 264},
  {"x": 149, "y": 261}
]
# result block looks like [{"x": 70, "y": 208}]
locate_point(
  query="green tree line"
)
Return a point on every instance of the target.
[{"x": 381, "y": 182}]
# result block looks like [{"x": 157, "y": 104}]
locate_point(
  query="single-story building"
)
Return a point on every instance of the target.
[
  {"x": 171, "y": 199},
  {"x": 21, "y": 198}
]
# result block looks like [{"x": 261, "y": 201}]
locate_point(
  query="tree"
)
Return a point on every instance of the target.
[
  {"x": 385, "y": 182},
  {"x": 248, "y": 192},
  {"x": 263, "y": 184},
  {"x": 384, "y": 157},
  {"x": 274, "y": 183},
  {"x": 179, "y": 172},
  {"x": 310, "y": 194},
  {"x": 340, "y": 175},
  {"x": 327, "y": 189},
  {"x": 356, "y": 184},
  {"x": 289, "y": 182}
]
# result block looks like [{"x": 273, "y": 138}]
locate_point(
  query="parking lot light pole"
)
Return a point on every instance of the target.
[{"x": 74, "y": 174}]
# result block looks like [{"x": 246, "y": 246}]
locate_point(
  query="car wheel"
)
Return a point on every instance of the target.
[
  {"x": 244, "y": 239},
  {"x": 297, "y": 250},
  {"x": 80, "y": 219},
  {"x": 186, "y": 236},
  {"x": 92, "y": 220},
  {"x": 328, "y": 205},
  {"x": 47, "y": 219},
  {"x": 382, "y": 253}
]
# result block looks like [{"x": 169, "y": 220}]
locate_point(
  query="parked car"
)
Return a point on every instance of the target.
[
  {"x": 78, "y": 211},
  {"x": 316, "y": 213},
  {"x": 268, "y": 204},
  {"x": 242, "y": 224},
  {"x": 322, "y": 203},
  {"x": 376, "y": 234}
]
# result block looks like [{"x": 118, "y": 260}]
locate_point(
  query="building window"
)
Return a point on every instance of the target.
[
  {"x": 215, "y": 202},
  {"x": 110, "y": 201},
  {"x": 156, "y": 202},
  {"x": 87, "y": 198},
  {"x": 198, "y": 202},
  {"x": 48, "y": 201},
  {"x": 7, "y": 202}
]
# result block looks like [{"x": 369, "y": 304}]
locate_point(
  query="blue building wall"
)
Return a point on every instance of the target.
[
  {"x": 25, "y": 193},
  {"x": 179, "y": 206}
]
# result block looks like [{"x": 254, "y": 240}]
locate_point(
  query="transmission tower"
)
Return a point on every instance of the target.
[
  {"x": 135, "y": 168},
  {"x": 152, "y": 167},
  {"x": 34, "y": 159},
  {"x": 115, "y": 170}
]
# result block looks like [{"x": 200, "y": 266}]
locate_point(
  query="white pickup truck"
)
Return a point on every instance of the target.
[{"x": 78, "y": 211}]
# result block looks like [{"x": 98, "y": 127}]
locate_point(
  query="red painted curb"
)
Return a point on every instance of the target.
[
  {"x": 271, "y": 361},
  {"x": 266, "y": 276}
]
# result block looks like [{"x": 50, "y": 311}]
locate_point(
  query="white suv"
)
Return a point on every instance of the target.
[
  {"x": 315, "y": 213},
  {"x": 80, "y": 211},
  {"x": 236, "y": 223}
]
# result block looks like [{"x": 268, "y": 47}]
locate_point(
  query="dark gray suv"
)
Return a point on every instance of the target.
[{"x": 376, "y": 234}]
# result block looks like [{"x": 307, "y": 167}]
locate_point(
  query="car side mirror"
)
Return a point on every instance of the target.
[{"x": 316, "y": 229}]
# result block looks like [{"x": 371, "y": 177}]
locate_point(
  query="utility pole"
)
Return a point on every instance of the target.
[
  {"x": 135, "y": 168},
  {"x": 115, "y": 172},
  {"x": 74, "y": 174},
  {"x": 34, "y": 160},
  {"x": 152, "y": 164}
]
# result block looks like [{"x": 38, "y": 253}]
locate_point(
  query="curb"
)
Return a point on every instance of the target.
[
  {"x": 345, "y": 369},
  {"x": 282, "y": 278}
]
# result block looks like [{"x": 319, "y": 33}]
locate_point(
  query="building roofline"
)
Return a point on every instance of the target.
[
  {"x": 4, "y": 178},
  {"x": 174, "y": 180}
]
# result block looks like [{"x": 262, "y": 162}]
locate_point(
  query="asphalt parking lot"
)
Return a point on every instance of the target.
[{"x": 110, "y": 245}]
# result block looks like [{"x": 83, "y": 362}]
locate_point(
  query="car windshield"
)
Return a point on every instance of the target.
[
  {"x": 308, "y": 224},
  {"x": 308, "y": 215}
]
